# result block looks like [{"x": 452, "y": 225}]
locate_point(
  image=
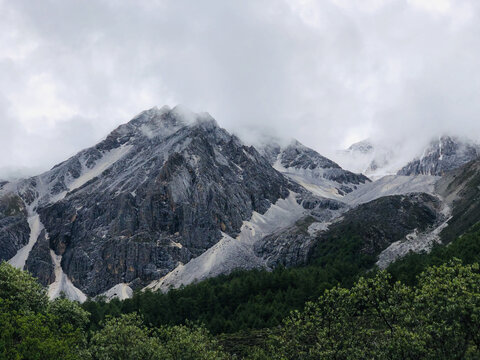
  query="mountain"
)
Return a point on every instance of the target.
[
  {"x": 158, "y": 191},
  {"x": 168, "y": 197},
  {"x": 171, "y": 198},
  {"x": 442, "y": 155},
  {"x": 460, "y": 189},
  {"x": 314, "y": 172},
  {"x": 362, "y": 147}
]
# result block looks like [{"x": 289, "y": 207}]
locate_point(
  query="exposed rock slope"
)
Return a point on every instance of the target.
[
  {"x": 155, "y": 193},
  {"x": 372, "y": 227},
  {"x": 314, "y": 172}
]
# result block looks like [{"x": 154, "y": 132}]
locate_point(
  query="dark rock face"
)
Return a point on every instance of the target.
[
  {"x": 291, "y": 247},
  {"x": 373, "y": 226},
  {"x": 40, "y": 261},
  {"x": 288, "y": 248},
  {"x": 443, "y": 155},
  {"x": 14, "y": 229},
  {"x": 166, "y": 199},
  {"x": 297, "y": 155}
]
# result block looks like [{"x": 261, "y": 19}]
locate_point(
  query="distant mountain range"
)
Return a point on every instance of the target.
[
  {"x": 170, "y": 198},
  {"x": 438, "y": 157}
]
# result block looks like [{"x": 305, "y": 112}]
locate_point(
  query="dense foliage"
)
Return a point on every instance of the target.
[
  {"x": 377, "y": 318},
  {"x": 32, "y": 327},
  {"x": 382, "y": 319}
]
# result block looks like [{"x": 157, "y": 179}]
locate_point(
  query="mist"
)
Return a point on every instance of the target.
[{"x": 328, "y": 73}]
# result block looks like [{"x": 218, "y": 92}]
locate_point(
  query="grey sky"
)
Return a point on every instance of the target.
[{"x": 326, "y": 72}]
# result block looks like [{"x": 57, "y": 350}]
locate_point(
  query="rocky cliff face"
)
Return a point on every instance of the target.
[
  {"x": 157, "y": 192},
  {"x": 14, "y": 228},
  {"x": 442, "y": 155}
]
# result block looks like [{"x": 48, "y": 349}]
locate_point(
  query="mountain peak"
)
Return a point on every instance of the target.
[
  {"x": 365, "y": 147},
  {"x": 443, "y": 154},
  {"x": 160, "y": 123}
]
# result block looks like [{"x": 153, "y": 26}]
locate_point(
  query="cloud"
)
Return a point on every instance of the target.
[{"x": 326, "y": 72}]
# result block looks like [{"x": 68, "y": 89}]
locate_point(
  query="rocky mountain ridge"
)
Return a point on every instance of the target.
[
  {"x": 157, "y": 193},
  {"x": 441, "y": 156},
  {"x": 170, "y": 198}
]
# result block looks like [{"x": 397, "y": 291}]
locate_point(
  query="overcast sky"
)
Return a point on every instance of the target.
[{"x": 325, "y": 72}]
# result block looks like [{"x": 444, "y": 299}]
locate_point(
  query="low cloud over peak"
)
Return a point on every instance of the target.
[{"x": 325, "y": 72}]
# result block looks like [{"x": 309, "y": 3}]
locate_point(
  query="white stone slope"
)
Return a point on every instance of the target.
[
  {"x": 36, "y": 228},
  {"x": 120, "y": 291},
  {"x": 391, "y": 185},
  {"x": 229, "y": 253},
  {"x": 62, "y": 283},
  {"x": 311, "y": 180}
]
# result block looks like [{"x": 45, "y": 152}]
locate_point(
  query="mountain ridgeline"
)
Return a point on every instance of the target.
[
  {"x": 170, "y": 198},
  {"x": 156, "y": 193}
]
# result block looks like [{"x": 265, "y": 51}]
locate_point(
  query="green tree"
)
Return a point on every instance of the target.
[
  {"x": 69, "y": 312},
  {"x": 379, "y": 318},
  {"x": 125, "y": 338},
  {"x": 20, "y": 290},
  {"x": 447, "y": 304},
  {"x": 183, "y": 342},
  {"x": 30, "y": 328},
  {"x": 38, "y": 336}
]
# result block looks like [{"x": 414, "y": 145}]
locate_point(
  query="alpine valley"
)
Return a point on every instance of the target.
[{"x": 170, "y": 198}]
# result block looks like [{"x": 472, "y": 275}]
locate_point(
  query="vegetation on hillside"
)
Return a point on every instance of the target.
[
  {"x": 377, "y": 318},
  {"x": 34, "y": 328}
]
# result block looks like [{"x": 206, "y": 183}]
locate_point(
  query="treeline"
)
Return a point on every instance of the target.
[
  {"x": 243, "y": 300},
  {"x": 376, "y": 318},
  {"x": 260, "y": 299}
]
